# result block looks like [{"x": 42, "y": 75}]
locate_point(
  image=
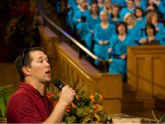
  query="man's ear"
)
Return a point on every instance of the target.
[{"x": 26, "y": 70}]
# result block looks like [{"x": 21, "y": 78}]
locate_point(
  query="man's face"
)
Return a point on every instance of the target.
[{"x": 40, "y": 67}]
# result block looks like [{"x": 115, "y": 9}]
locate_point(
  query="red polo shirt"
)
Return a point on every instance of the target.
[{"x": 27, "y": 105}]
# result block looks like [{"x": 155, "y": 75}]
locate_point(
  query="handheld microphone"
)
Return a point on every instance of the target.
[{"x": 60, "y": 85}]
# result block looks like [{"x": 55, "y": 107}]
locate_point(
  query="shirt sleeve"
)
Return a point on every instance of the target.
[{"x": 22, "y": 110}]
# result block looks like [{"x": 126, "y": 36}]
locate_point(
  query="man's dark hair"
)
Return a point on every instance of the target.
[{"x": 24, "y": 59}]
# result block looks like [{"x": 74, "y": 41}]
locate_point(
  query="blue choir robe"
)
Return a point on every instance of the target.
[
  {"x": 103, "y": 35},
  {"x": 73, "y": 7},
  {"x": 115, "y": 21},
  {"x": 141, "y": 24},
  {"x": 109, "y": 17},
  {"x": 121, "y": 3},
  {"x": 142, "y": 5},
  {"x": 145, "y": 1},
  {"x": 135, "y": 32},
  {"x": 161, "y": 32},
  {"x": 91, "y": 23},
  {"x": 101, "y": 8},
  {"x": 90, "y": 2},
  {"x": 157, "y": 40},
  {"x": 81, "y": 27},
  {"x": 119, "y": 66},
  {"x": 161, "y": 8},
  {"x": 124, "y": 11}
]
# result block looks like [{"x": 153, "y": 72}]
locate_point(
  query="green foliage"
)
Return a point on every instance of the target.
[
  {"x": 163, "y": 119},
  {"x": 5, "y": 92}
]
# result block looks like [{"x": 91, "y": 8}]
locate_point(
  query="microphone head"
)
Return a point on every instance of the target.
[{"x": 58, "y": 84}]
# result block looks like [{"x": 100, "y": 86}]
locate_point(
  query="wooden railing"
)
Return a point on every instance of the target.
[
  {"x": 146, "y": 69},
  {"x": 67, "y": 67}
]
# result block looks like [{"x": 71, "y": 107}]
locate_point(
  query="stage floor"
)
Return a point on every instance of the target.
[{"x": 128, "y": 119}]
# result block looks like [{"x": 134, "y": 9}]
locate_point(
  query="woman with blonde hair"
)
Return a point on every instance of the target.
[
  {"x": 103, "y": 32},
  {"x": 108, "y": 6},
  {"x": 133, "y": 29},
  {"x": 152, "y": 18}
]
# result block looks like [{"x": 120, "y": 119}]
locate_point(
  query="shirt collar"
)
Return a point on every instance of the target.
[{"x": 31, "y": 89}]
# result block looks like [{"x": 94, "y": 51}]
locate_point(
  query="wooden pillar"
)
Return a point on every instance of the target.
[{"x": 32, "y": 4}]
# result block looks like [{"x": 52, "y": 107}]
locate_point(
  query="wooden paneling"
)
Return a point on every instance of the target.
[
  {"x": 32, "y": 5},
  {"x": 146, "y": 69},
  {"x": 48, "y": 39},
  {"x": 8, "y": 74}
]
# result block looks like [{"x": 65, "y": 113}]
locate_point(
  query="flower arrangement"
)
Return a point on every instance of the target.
[{"x": 90, "y": 110}]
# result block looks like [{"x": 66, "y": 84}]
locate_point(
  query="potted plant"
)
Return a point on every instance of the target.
[{"x": 5, "y": 93}]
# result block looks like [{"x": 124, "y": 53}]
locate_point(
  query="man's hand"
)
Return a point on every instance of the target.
[{"x": 67, "y": 95}]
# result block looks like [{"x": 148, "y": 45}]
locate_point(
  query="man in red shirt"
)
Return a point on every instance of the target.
[{"x": 29, "y": 104}]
